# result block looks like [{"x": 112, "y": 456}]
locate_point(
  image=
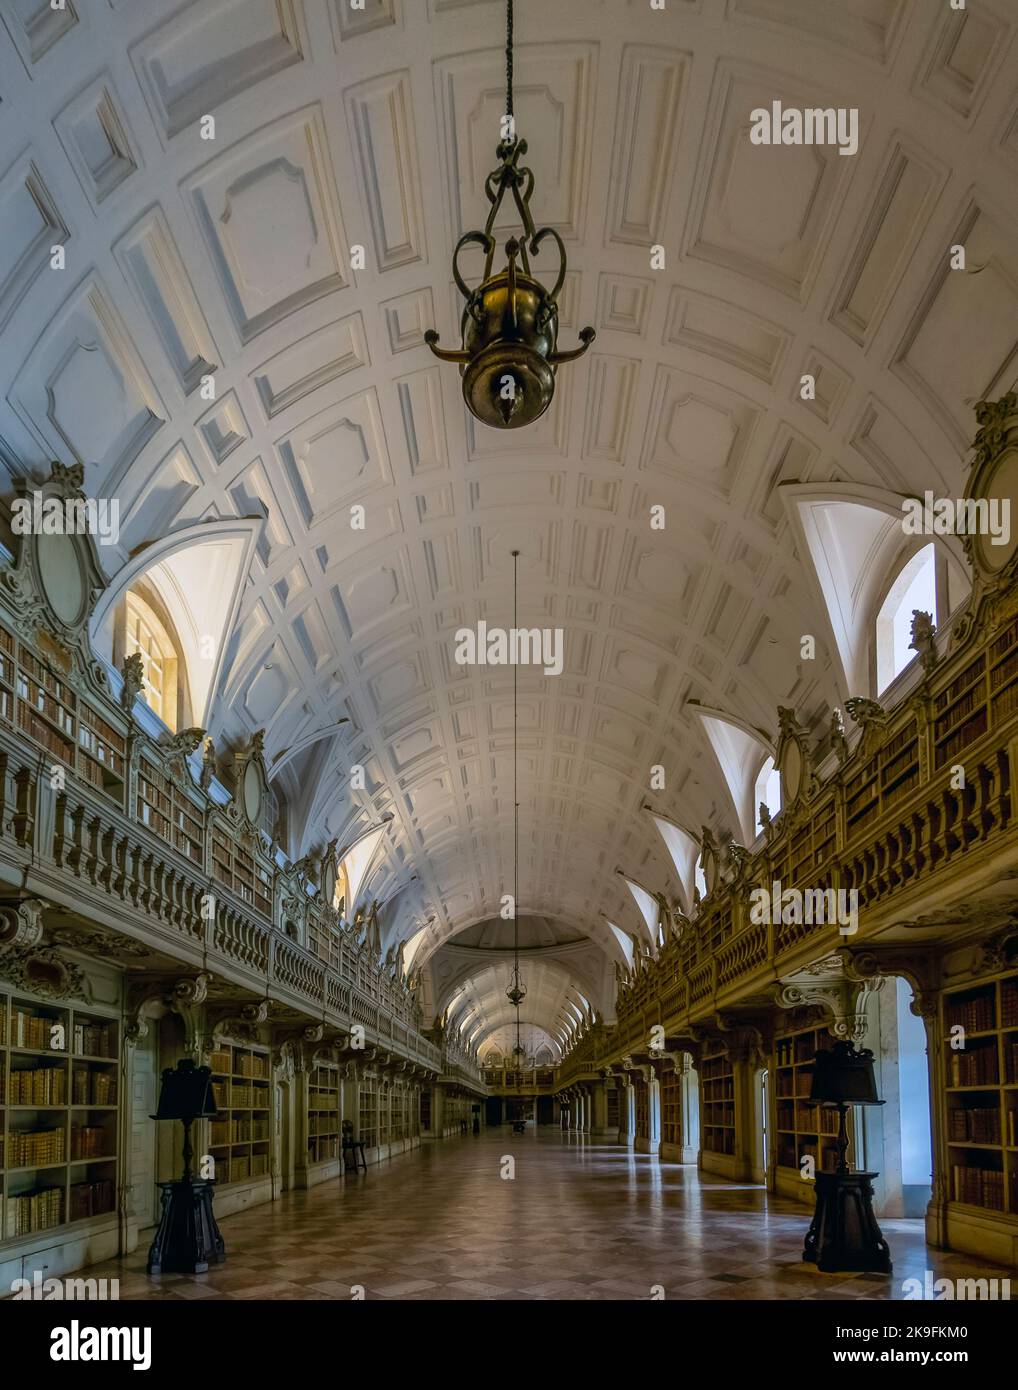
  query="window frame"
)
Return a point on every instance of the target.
[
  {"x": 173, "y": 704},
  {"x": 941, "y": 617}
]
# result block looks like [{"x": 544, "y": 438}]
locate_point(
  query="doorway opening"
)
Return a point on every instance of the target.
[{"x": 761, "y": 1108}]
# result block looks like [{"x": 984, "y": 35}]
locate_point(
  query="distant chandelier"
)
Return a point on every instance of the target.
[{"x": 510, "y": 323}]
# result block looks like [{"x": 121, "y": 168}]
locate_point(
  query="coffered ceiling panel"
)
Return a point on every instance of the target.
[
  {"x": 270, "y": 221},
  {"x": 206, "y": 54}
]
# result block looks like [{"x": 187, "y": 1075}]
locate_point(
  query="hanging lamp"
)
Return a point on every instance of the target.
[{"x": 509, "y": 331}]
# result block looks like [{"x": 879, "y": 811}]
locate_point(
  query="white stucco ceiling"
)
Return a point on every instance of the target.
[{"x": 231, "y": 256}]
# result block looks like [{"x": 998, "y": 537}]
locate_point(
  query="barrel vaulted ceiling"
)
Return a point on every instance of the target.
[{"x": 336, "y": 127}]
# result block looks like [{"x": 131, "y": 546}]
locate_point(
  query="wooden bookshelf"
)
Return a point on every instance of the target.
[
  {"x": 397, "y": 1114},
  {"x": 613, "y": 1107},
  {"x": 7, "y": 677},
  {"x": 239, "y": 1136},
  {"x": 45, "y": 707},
  {"x": 641, "y": 1092},
  {"x": 324, "y": 940},
  {"x": 801, "y": 1129},
  {"x": 40, "y": 703},
  {"x": 981, "y": 1094},
  {"x": 1002, "y": 664},
  {"x": 671, "y": 1108},
  {"x": 367, "y": 1132},
  {"x": 979, "y": 698},
  {"x": 59, "y": 1107},
  {"x": 898, "y": 765},
  {"x": 168, "y": 811},
  {"x": 425, "y": 1108},
  {"x": 717, "y": 1097},
  {"x": 807, "y": 856},
  {"x": 862, "y": 795},
  {"x": 323, "y": 1115},
  {"x": 716, "y": 928},
  {"x": 238, "y": 869},
  {"x": 385, "y": 1102},
  {"x": 960, "y": 712},
  {"x": 884, "y": 779},
  {"x": 101, "y": 750}
]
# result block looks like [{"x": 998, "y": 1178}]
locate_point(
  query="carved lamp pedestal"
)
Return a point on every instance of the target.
[
  {"x": 844, "y": 1235},
  {"x": 188, "y": 1239}
]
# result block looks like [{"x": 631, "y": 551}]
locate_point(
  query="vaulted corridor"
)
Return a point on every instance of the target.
[
  {"x": 508, "y": 622},
  {"x": 579, "y": 1220}
]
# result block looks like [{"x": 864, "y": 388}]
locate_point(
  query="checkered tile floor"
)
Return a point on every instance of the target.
[{"x": 579, "y": 1220}]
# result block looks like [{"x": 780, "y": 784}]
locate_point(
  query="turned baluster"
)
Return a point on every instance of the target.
[{"x": 92, "y": 858}]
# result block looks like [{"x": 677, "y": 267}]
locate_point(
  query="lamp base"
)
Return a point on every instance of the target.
[
  {"x": 844, "y": 1234},
  {"x": 188, "y": 1239}
]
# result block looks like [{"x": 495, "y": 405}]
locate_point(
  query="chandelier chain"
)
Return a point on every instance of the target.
[
  {"x": 516, "y": 826},
  {"x": 509, "y": 58},
  {"x": 516, "y": 799}
]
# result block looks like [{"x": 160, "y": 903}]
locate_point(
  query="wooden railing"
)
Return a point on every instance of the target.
[
  {"x": 533, "y": 1081},
  {"x": 79, "y": 852},
  {"x": 459, "y": 1064}
]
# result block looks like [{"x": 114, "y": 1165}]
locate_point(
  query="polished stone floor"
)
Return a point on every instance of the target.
[{"x": 579, "y": 1220}]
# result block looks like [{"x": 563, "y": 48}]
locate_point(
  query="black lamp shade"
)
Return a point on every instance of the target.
[
  {"x": 186, "y": 1093},
  {"x": 844, "y": 1076}
]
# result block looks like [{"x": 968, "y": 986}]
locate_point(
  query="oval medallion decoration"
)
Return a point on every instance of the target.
[
  {"x": 791, "y": 772},
  {"x": 252, "y": 793},
  {"x": 329, "y": 880},
  {"x": 63, "y": 577},
  {"x": 1000, "y": 492},
  {"x": 709, "y": 864}
]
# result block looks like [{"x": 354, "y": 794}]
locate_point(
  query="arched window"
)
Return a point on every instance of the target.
[
  {"x": 144, "y": 631},
  {"x": 341, "y": 897},
  {"x": 914, "y": 589},
  {"x": 767, "y": 792},
  {"x": 700, "y": 878}
]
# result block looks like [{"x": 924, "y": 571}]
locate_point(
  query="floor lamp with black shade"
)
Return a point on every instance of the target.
[
  {"x": 844, "y": 1234},
  {"x": 188, "y": 1239}
]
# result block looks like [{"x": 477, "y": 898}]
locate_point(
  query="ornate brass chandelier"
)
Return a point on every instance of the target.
[{"x": 509, "y": 328}]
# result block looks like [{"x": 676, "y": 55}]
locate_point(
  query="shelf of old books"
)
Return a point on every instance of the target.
[
  {"x": 980, "y": 697},
  {"x": 981, "y": 1069},
  {"x": 399, "y": 1126},
  {"x": 7, "y": 669},
  {"x": 1002, "y": 660},
  {"x": 801, "y": 1130},
  {"x": 45, "y": 706},
  {"x": 862, "y": 795},
  {"x": 641, "y": 1096},
  {"x": 324, "y": 939},
  {"x": 239, "y": 1136},
  {"x": 40, "y": 702},
  {"x": 671, "y": 1108},
  {"x": 613, "y": 1107},
  {"x": 717, "y": 1097},
  {"x": 323, "y": 1114},
  {"x": 385, "y": 1103},
  {"x": 169, "y": 812},
  {"x": 367, "y": 1131},
  {"x": 59, "y": 1075},
  {"x": 241, "y": 872},
  {"x": 101, "y": 750}
]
